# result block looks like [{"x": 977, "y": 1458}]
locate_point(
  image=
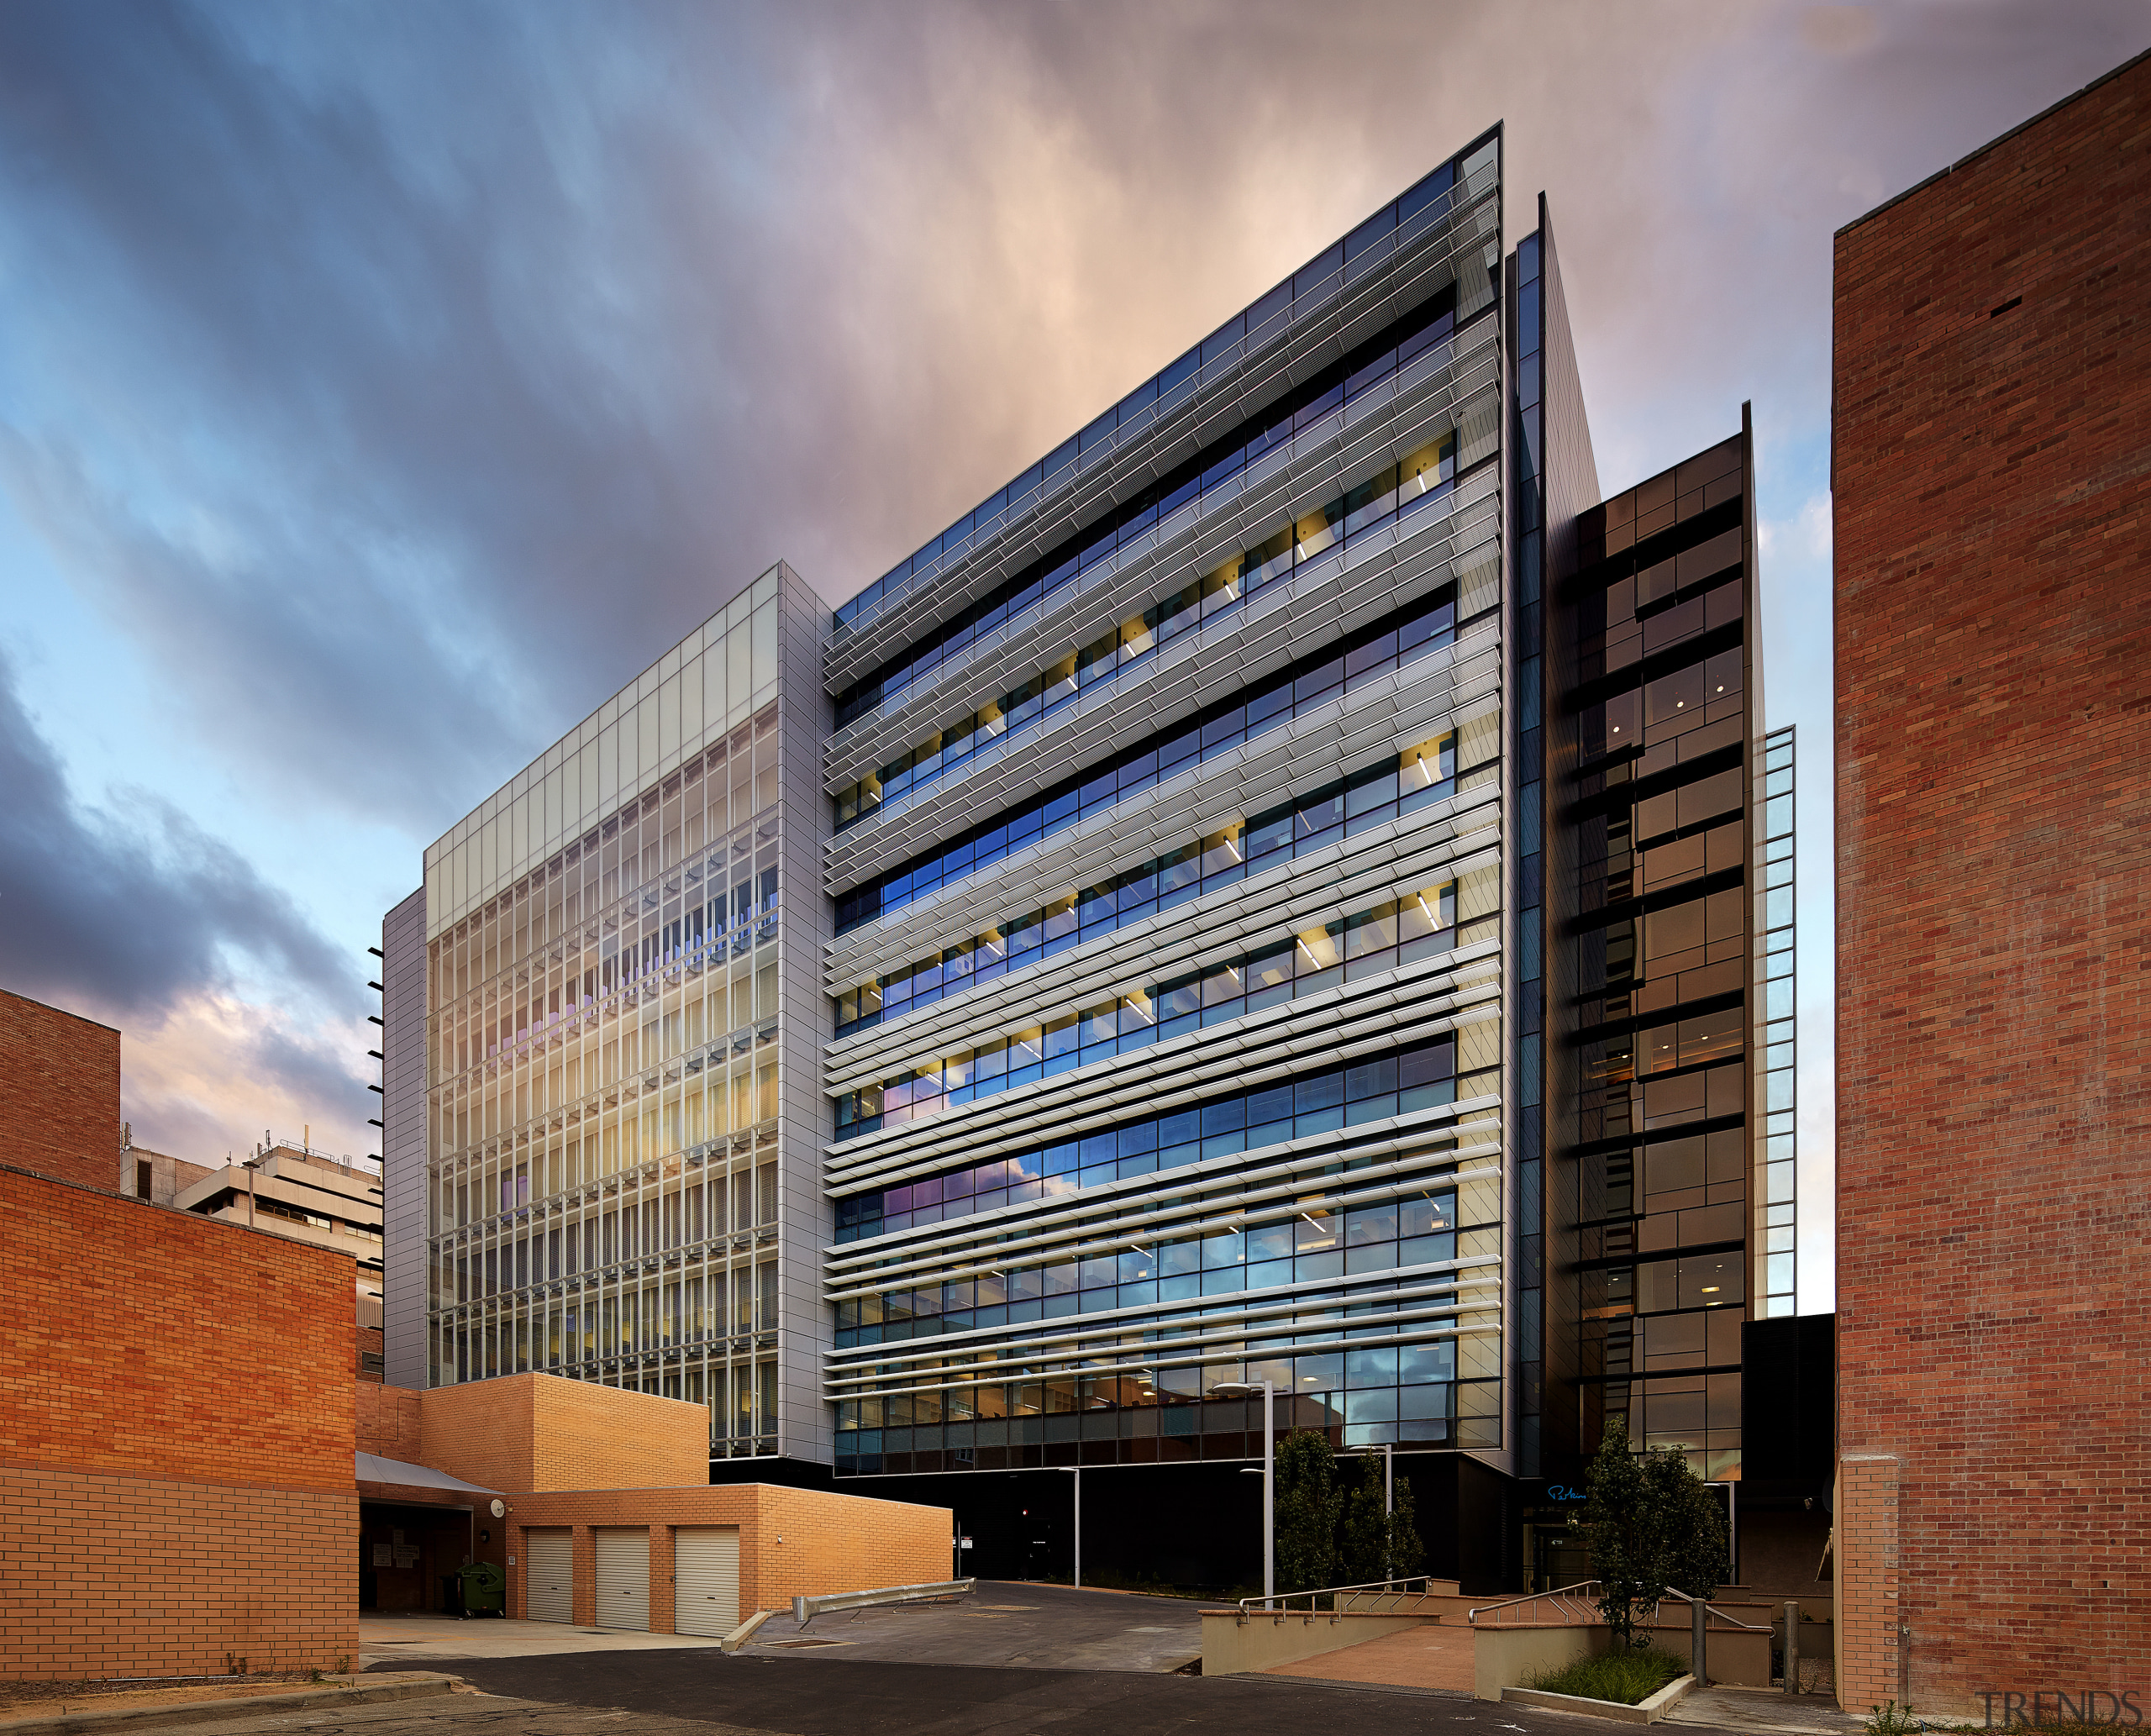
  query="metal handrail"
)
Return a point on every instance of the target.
[
  {"x": 1560, "y": 1596},
  {"x": 1279, "y": 1604},
  {"x": 1568, "y": 1601},
  {"x": 805, "y": 1609},
  {"x": 1712, "y": 1609}
]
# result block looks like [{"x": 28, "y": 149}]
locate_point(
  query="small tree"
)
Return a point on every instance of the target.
[
  {"x": 1307, "y": 1509},
  {"x": 1407, "y": 1555},
  {"x": 1651, "y": 1526},
  {"x": 1379, "y": 1544}
]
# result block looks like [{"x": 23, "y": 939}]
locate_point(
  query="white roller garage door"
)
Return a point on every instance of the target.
[
  {"x": 548, "y": 1576},
  {"x": 706, "y": 1581},
  {"x": 624, "y": 1579}
]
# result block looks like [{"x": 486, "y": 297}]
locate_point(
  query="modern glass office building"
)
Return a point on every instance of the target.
[
  {"x": 603, "y": 1015},
  {"x": 1265, "y": 897}
]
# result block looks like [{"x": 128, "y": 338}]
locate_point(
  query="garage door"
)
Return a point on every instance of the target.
[
  {"x": 624, "y": 1579},
  {"x": 548, "y": 1576},
  {"x": 705, "y": 1568}
]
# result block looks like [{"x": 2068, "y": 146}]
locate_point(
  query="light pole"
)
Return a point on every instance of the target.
[
  {"x": 1246, "y": 1389},
  {"x": 1076, "y": 1472}
]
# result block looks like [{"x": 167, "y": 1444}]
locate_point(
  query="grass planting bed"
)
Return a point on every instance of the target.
[{"x": 1625, "y": 1678}]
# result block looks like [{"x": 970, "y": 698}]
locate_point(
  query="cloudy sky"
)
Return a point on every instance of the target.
[{"x": 382, "y": 385}]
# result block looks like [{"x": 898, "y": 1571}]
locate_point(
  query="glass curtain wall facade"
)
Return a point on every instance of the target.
[
  {"x": 1668, "y": 838},
  {"x": 1168, "y": 856},
  {"x": 1775, "y": 1226},
  {"x": 623, "y": 1116}
]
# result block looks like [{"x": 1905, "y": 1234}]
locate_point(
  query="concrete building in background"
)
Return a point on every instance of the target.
[
  {"x": 1991, "y": 466},
  {"x": 1276, "y": 894},
  {"x": 156, "y": 1177},
  {"x": 290, "y": 1190}
]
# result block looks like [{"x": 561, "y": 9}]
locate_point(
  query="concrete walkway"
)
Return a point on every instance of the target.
[
  {"x": 1435, "y": 1659},
  {"x": 392, "y": 1641},
  {"x": 156, "y": 1708},
  {"x": 1766, "y": 1711}
]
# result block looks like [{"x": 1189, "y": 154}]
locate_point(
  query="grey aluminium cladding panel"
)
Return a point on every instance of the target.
[
  {"x": 804, "y": 1124},
  {"x": 403, "y": 1142}
]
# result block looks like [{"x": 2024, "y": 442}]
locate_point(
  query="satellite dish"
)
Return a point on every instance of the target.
[{"x": 499, "y": 1508}]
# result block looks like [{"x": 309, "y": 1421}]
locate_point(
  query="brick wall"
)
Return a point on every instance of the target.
[
  {"x": 130, "y": 1576},
  {"x": 176, "y": 1426},
  {"x": 387, "y": 1422},
  {"x": 143, "y": 1342},
  {"x": 541, "y": 1432},
  {"x": 1992, "y": 480},
  {"x": 792, "y": 1542},
  {"x": 60, "y": 1079}
]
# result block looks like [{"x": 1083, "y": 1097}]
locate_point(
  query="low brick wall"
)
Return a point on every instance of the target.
[{"x": 132, "y": 1576}]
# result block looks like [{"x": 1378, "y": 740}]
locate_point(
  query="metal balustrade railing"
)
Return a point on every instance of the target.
[
  {"x": 1280, "y": 1604},
  {"x": 1568, "y": 1606},
  {"x": 1578, "y": 1604}
]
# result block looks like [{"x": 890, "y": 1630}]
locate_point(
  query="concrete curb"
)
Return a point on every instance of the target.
[
  {"x": 745, "y": 1631},
  {"x": 1649, "y": 1712},
  {"x": 202, "y": 1711}
]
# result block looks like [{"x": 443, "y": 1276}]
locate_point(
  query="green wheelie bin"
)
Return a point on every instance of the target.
[{"x": 485, "y": 1589}]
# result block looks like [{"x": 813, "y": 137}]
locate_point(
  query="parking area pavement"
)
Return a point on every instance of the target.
[
  {"x": 677, "y": 1693},
  {"x": 400, "y": 1642},
  {"x": 1005, "y": 1623}
]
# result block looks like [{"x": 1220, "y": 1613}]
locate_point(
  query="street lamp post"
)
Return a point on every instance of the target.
[
  {"x": 1076, "y": 1472},
  {"x": 1246, "y": 1389}
]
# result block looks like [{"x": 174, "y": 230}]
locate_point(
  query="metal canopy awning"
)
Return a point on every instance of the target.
[{"x": 372, "y": 1468}]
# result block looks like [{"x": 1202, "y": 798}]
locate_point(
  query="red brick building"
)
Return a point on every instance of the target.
[
  {"x": 59, "y": 1080},
  {"x": 607, "y": 1515},
  {"x": 1992, "y": 476},
  {"x": 175, "y": 1488},
  {"x": 175, "y": 1407}
]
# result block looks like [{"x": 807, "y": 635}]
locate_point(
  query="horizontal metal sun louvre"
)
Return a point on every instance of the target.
[
  {"x": 1446, "y": 689},
  {"x": 1312, "y": 336},
  {"x": 1256, "y": 639},
  {"x": 1202, "y": 1216},
  {"x": 1285, "y": 484},
  {"x": 1267, "y": 1046}
]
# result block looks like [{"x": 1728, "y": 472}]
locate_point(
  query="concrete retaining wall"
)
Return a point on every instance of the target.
[
  {"x": 1230, "y": 1646},
  {"x": 1508, "y": 1657}
]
